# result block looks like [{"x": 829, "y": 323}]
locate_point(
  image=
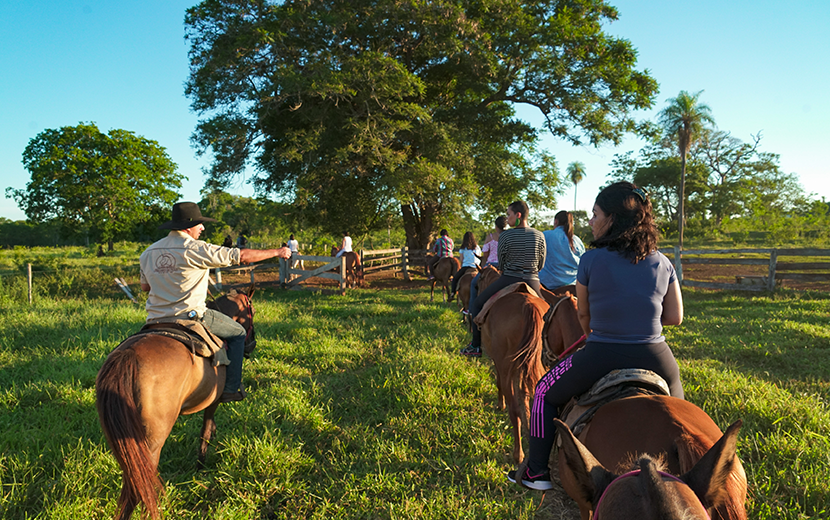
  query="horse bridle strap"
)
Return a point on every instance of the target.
[{"x": 634, "y": 474}]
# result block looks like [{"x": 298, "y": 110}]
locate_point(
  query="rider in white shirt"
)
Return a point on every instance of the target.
[{"x": 346, "y": 245}]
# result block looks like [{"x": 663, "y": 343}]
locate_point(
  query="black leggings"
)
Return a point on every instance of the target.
[
  {"x": 577, "y": 373},
  {"x": 502, "y": 282},
  {"x": 457, "y": 277}
]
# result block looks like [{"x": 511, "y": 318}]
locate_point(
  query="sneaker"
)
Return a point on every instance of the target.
[
  {"x": 465, "y": 312},
  {"x": 470, "y": 350},
  {"x": 430, "y": 278},
  {"x": 540, "y": 482}
]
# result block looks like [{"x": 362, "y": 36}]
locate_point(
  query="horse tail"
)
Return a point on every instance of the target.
[
  {"x": 527, "y": 362},
  {"x": 358, "y": 269},
  {"x": 690, "y": 448},
  {"x": 115, "y": 390}
]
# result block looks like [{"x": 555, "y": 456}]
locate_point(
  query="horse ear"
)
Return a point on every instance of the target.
[
  {"x": 591, "y": 477},
  {"x": 250, "y": 291},
  {"x": 709, "y": 476}
]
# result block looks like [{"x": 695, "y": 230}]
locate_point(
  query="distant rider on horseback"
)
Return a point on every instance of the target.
[
  {"x": 175, "y": 272},
  {"x": 443, "y": 249}
]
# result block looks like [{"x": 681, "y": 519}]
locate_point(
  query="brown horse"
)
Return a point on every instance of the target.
[
  {"x": 464, "y": 289},
  {"x": 142, "y": 388},
  {"x": 443, "y": 272},
  {"x": 514, "y": 335},
  {"x": 354, "y": 269},
  {"x": 702, "y": 474},
  {"x": 488, "y": 275}
]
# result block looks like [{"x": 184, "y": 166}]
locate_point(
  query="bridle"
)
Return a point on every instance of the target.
[{"x": 634, "y": 474}]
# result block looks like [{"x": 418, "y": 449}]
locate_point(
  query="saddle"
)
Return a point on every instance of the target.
[
  {"x": 193, "y": 334},
  {"x": 617, "y": 384},
  {"x": 520, "y": 287}
]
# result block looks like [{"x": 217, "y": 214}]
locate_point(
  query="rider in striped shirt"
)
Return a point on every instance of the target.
[{"x": 521, "y": 257}]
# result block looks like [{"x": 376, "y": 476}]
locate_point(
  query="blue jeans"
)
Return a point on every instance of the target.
[{"x": 234, "y": 333}]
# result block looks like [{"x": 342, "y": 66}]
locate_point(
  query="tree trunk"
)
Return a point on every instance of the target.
[
  {"x": 418, "y": 222},
  {"x": 681, "y": 220}
]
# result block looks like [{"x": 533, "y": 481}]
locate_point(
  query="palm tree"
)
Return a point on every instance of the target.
[
  {"x": 576, "y": 171},
  {"x": 684, "y": 117}
]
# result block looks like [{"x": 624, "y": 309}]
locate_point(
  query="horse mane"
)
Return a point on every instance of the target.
[
  {"x": 691, "y": 446},
  {"x": 664, "y": 504}
]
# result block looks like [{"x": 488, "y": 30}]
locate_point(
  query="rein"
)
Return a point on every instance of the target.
[
  {"x": 634, "y": 474},
  {"x": 581, "y": 339},
  {"x": 570, "y": 349}
]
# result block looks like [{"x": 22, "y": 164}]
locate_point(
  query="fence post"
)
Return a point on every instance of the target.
[
  {"x": 678, "y": 265},
  {"x": 253, "y": 281},
  {"x": 773, "y": 262},
  {"x": 219, "y": 278},
  {"x": 343, "y": 274},
  {"x": 283, "y": 269},
  {"x": 404, "y": 270},
  {"x": 29, "y": 276}
]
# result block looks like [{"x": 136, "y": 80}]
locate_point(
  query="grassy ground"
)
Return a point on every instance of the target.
[{"x": 361, "y": 408}]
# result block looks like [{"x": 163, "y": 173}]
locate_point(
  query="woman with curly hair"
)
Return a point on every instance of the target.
[{"x": 627, "y": 292}]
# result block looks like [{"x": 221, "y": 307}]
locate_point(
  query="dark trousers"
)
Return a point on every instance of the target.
[
  {"x": 577, "y": 373},
  {"x": 502, "y": 282}
]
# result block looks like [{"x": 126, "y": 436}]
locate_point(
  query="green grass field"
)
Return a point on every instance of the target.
[{"x": 360, "y": 407}]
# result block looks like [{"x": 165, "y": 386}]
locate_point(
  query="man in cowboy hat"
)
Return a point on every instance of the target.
[{"x": 175, "y": 271}]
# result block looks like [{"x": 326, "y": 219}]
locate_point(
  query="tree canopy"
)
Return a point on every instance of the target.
[
  {"x": 354, "y": 111},
  {"x": 96, "y": 183},
  {"x": 726, "y": 179}
]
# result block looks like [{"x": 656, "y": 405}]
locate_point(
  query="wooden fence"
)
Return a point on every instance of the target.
[{"x": 777, "y": 270}]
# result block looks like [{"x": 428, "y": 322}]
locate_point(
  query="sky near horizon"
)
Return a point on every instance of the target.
[{"x": 761, "y": 65}]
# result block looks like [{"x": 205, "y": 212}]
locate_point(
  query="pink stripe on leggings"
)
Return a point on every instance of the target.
[{"x": 537, "y": 414}]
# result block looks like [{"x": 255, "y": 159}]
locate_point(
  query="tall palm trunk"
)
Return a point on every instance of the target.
[{"x": 682, "y": 213}]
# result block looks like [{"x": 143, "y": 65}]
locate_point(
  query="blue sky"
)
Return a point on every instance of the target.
[{"x": 763, "y": 66}]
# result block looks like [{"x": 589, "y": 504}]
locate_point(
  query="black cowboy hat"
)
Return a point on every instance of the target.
[{"x": 185, "y": 216}]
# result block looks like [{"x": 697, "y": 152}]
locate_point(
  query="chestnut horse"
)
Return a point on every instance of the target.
[
  {"x": 444, "y": 270},
  {"x": 512, "y": 335},
  {"x": 354, "y": 269},
  {"x": 700, "y": 475},
  {"x": 143, "y": 387}
]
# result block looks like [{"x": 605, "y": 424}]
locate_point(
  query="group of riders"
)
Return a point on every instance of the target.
[{"x": 626, "y": 290}]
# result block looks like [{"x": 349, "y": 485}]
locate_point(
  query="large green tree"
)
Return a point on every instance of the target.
[
  {"x": 97, "y": 184},
  {"x": 357, "y": 110},
  {"x": 684, "y": 118}
]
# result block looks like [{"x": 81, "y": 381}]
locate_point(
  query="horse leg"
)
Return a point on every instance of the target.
[
  {"x": 432, "y": 291},
  {"x": 515, "y": 420},
  {"x": 208, "y": 429}
]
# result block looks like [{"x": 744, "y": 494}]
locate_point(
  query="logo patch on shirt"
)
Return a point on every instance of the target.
[{"x": 165, "y": 263}]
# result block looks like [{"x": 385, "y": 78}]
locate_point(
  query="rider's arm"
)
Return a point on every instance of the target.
[
  {"x": 583, "y": 311},
  {"x": 247, "y": 256},
  {"x": 672, "y": 306}
]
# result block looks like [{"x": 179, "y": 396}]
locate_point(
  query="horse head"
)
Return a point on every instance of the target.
[
  {"x": 649, "y": 492},
  {"x": 238, "y": 305}
]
